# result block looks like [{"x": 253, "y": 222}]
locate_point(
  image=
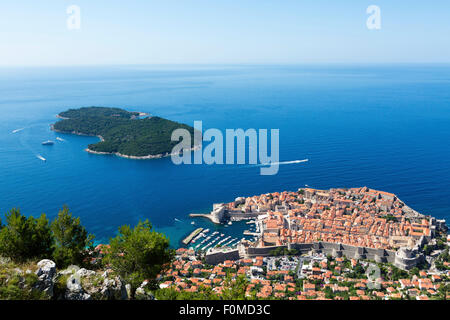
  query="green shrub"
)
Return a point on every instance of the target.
[
  {"x": 71, "y": 239},
  {"x": 139, "y": 254},
  {"x": 25, "y": 238},
  {"x": 171, "y": 294}
]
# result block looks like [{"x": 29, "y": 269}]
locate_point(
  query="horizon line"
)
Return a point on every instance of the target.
[{"x": 227, "y": 64}]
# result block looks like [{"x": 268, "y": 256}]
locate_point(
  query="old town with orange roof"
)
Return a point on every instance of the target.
[{"x": 352, "y": 244}]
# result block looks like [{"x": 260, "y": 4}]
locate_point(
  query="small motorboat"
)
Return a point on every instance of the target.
[{"x": 48, "y": 143}]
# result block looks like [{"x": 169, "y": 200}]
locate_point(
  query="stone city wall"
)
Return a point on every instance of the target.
[
  {"x": 220, "y": 256},
  {"x": 348, "y": 251}
]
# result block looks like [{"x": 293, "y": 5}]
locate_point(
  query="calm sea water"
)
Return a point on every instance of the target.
[{"x": 383, "y": 126}]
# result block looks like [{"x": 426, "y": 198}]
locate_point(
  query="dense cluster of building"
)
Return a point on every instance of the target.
[
  {"x": 313, "y": 276},
  {"x": 357, "y": 216},
  {"x": 351, "y": 222},
  {"x": 323, "y": 244}
]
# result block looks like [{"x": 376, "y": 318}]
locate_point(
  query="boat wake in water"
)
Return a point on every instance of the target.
[
  {"x": 282, "y": 162},
  {"x": 17, "y": 130}
]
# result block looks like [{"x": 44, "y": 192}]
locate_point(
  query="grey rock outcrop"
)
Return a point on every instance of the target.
[
  {"x": 85, "y": 273},
  {"x": 74, "y": 283},
  {"x": 46, "y": 273},
  {"x": 74, "y": 289},
  {"x": 84, "y": 284},
  {"x": 113, "y": 288},
  {"x": 142, "y": 293},
  {"x": 128, "y": 289}
]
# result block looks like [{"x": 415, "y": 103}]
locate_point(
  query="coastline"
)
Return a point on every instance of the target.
[
  {"x": 118, "y": 154},
  {"x": 147, "y": 157},
  {"x": 75, "y": 133}
]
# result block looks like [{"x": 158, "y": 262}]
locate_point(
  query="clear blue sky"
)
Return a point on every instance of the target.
[{"x": 223, "y": 31}]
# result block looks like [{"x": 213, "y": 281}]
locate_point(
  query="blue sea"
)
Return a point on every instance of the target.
[{"x": 382, "y": 126}]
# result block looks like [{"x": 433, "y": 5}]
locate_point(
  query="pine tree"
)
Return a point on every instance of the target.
[
  {"x": 71, "y": 239},
  {"x": 25, "y": 238}
]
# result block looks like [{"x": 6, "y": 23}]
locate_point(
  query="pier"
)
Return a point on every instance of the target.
[
  {"x": 192, "y": 235},
  {"x": 203, "y": 215},
  {"x": 249, "y": 233},
  {"x": 221, "y": 215}
]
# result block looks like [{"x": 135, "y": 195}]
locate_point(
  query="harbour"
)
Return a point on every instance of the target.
[
  {"x": 216, "y": 239},
  {"x": 192, "y": 235},
  {"x": 227, "y": 235}
]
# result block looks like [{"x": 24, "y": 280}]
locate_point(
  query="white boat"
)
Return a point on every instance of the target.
[
  {"x": 60, "y": 139},
  {"x": 41, "y": 158},
  {"x": 48, "y": 143},
  {"x": 200, "y": 235},
  {"x": 17, "y": 130}
]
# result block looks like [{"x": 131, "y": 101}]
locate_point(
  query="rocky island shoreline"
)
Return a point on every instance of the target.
[
  {"x": 147, "y": 157},
  {"x": 122, "y": 133}
]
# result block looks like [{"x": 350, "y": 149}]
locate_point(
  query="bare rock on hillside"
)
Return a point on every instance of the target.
[
  {"x": 46, "y": 273},
  {"x": 74, "y": 289}
]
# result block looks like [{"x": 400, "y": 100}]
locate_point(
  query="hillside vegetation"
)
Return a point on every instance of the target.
[{"x": 40, "y": 259}]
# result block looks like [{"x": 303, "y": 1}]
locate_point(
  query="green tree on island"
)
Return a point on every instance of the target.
[
  {"x": 139, "y": 254},
  {"x": 122, "y": 131},
  {"x": 70, "y": 239}
]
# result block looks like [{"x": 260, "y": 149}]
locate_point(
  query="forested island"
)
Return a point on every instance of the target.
[{"x": 121, "y": 132}]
